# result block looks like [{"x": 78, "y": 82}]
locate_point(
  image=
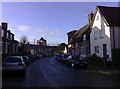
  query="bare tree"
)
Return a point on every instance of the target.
[{"x": 24, "y": 42}]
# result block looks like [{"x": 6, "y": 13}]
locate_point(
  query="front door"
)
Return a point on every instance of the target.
[{"x": 104, "y": 50}]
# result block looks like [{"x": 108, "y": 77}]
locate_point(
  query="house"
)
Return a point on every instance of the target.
[
  {"x": 0, "y": 42},
  {"x": 62, "y": 48},
  {"x": 42, "y": 41},
  {"x": 40, "y": 50},
  {"x": 104, "y": 37},
  {"x": 70, "y": 34},
  {"x": 79, "y": 40},
  {"x": 9, "y": 45}
]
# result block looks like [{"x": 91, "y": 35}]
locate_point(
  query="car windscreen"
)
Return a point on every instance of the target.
[{"x": 13, "y": 59}]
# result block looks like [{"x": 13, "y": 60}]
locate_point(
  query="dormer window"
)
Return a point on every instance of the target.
[{"x": 84, "y": 37}]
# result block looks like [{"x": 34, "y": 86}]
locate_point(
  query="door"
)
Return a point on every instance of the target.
[{"x": 104, "y": 50}]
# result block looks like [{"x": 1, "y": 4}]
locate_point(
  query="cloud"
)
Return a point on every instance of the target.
[
  {"x": 55, "y": 33},
  {"x": 24, "y": 28},
  {"x": 40, "y": 31}
]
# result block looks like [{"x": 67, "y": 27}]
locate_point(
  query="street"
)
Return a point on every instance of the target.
[{"x": 48, "y": 72}]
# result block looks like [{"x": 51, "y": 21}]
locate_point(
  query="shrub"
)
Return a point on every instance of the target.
[{"x": 95, "y": 60}]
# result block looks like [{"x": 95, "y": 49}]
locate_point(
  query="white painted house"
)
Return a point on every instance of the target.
[
  {"x": 105, "y": 31},
  {"x": 0, "y": 42}
]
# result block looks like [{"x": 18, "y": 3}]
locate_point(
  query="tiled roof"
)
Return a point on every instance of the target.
[{"x": 111, "y": 14}]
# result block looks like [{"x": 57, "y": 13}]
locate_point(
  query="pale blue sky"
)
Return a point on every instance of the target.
[{"x": 51, "y": 20}]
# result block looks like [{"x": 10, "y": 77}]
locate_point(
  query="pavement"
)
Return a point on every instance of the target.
[{"x": 108, "y": 70}]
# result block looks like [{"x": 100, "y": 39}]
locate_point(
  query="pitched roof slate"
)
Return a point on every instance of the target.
[{"x": 111, "y": 14}]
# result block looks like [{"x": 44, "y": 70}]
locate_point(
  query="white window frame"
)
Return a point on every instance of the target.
[
  {"x": 76, "y": 45},
  {"x": 97, "y": 17},
  {"x": 96, "y": 49},
  {"x": 101, "y": 33},
  {"x": 84, "y": 37},
  {"x": 2, "y": 33},
  {"x": 7, "y": 35},
  {"x": 95, "y": 35}
]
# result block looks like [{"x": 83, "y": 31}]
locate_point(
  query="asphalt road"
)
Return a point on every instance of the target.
[{"x": 48, "y": 72}]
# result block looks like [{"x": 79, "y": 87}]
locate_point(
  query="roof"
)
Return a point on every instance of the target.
[
  {"x": 32, "y": 46},
  {"x": 42, "y": 38},
  {"x": 77, "y": 36},
  {"x": 111, "y": 14}
]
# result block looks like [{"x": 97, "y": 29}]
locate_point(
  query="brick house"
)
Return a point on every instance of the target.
[
  {"x": 79, "y": 40},
  {"x": 9, "y": 45},
  {"x": 70, "y": 42},
  {"x": 40, "y": 50}
]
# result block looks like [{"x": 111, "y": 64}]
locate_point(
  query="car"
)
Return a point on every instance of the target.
[
  {"x": 58, "y": 57},
  {"x": 76, "y": 62},
  {"x": 63, "y": 59},
  {"x": 14, "y": 63},
  {"x": 26, "y": 60}
]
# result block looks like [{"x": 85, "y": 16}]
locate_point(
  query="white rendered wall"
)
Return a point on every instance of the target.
[{"x": 97, "y": 26}]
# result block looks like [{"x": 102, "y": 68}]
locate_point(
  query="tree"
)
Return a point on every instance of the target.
[{"x": 23, "y": 44}]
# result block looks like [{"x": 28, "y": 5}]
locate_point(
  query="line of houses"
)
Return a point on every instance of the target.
[
  {"x": 7, "y": 42},
  {"x": 10, "y": 46},
  {"x": 100, "y": 36}
]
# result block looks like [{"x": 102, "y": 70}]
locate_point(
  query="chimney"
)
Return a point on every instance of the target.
[
  {"x": 90, "y": 17},
  {"x": 4, "y": 26},
  {"x": 70, "y": 34}
]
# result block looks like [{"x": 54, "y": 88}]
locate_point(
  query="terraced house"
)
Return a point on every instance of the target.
[
  {"x": 104, "y": 37},
  {"x": 79, "y": 40},
  {"x": 9, "y": 45}
]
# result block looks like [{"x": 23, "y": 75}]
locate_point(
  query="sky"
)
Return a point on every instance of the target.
[{"x": 50, "y": 20}]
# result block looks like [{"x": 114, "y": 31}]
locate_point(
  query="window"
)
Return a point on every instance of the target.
[
  {"x": 101, "y": 33},
  {"x": 95, "y": 35},
  {"x": 11, "y": 36},
  {"x": 6, "y": 47},
  {"x": 13, "y": 48},
  {"x": 2, "y": 33},
  {"x": 72, "y": 45},
  {"x": 76, "y": 44},
  {"x": 84, "y": 37},
  {"x": 0, "y": 46},
  {"x": 97, "y": 18},
  {"x": 69, "y": 46},
  {"x": 96, "y": 49},
  {"x": 7, "y": 35}
]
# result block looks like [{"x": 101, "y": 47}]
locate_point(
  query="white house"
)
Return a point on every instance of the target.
[
  {"x": 104, "y": 37},
  {"x": 0, "y": 41}
]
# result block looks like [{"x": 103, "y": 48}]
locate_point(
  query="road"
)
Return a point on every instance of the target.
[{"x": 47, "y": 72}]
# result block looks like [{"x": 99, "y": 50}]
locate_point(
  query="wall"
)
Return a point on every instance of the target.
[
  {"x": 115, "y": 31},
  {"x": 99, "y": 24},
  {"x": 115, "y": 44},
  {"x": 0, "y": 43}
]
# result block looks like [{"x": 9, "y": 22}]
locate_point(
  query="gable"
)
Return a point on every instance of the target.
[{"x": 111, "y": 15}]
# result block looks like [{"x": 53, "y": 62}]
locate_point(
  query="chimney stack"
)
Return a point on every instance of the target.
[
  {"x": 90, "y": 17},
  {"x": 4, "y": 26}
]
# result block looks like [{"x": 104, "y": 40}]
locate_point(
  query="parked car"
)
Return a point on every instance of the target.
[
  {"x": 63, "y": 59},
  {"x": 31, "y": 57},
  {"x": 58, "y": 57},
  {"x": 26, "y": 59},
  {"x": 14, "y": 63},
  {"x": 76, "y": 62}
]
